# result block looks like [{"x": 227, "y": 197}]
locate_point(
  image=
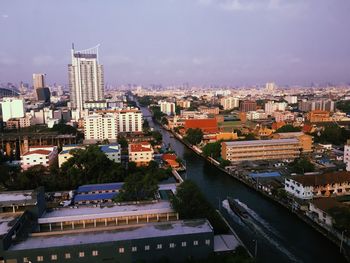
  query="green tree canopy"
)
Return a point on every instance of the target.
[
  {"x": 194, "y": 136},
  {"x": 138, "y": 187},
  {"x": 302, "y": 165},
  {"x": 333, "y": 134},
  {"x": 288, "y": 128},
  {"x": 190, "y": 203},
  {"x": 212, "y": 149}
]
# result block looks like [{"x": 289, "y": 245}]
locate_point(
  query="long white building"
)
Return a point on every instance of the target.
[
  {"x": 12, "y": 108},
  {"x": 85, "y": 78}
]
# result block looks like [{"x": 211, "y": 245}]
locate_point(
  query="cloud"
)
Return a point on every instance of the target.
[{"x": 4, "y": 16}]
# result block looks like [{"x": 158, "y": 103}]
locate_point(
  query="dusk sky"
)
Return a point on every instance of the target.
[{"x": 230, "y": 42}]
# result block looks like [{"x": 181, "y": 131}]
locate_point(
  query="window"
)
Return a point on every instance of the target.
[
  {"x": 207, "y": 242},
  {"x": 183, "y": 244},
  {"x": 134, "y": 249},
  {"x": 121, "y": 250},
  {"x": 40, "y": 258},
  {"x": 159, "y": 246},
  {"x": 67, "y": 256},
  {"x": 81, "y": 254},
  {"x": 53, "y": 257},
  {"x": 95, "y": 253},
  {"x": 147, "y": 247},
  {"x": 195, "y": 242},
  {"x": 172, "y": 245}
]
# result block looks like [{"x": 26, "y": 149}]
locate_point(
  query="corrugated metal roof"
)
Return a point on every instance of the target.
[
  {"x": 94, "y": 197},
  {"x": 262, "y": 142},
  {"x": 99, "y": 187}
]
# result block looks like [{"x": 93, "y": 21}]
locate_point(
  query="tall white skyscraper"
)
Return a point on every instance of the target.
[{"x": 85, "y": 77}]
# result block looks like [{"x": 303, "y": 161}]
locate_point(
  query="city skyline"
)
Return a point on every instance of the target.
[{"x": 202, "y": 42}]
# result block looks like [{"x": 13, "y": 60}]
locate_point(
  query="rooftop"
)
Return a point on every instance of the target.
[
  {"x": 9, "y": 198},
  {"x": 94, "y": 197},
  {"x": 40, "y": 151},
  {"x": 99, "y": 187},
  {"x": 262, "y": 142},
  {"x": 167, "y": 229},
  {"x": 266, "y": 174},
  {"x": 6, "y": 221},
  {"x": 140, "y": 147},
  {"x": 326, "y": 203},
  {"x": 80, "y": 213},
  {"x": 322, "y": 179}
]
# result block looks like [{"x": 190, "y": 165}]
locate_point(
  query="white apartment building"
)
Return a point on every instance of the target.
[
  {"x": 129, "y": 120},
  {"x": 229, "y": 103},
  {"x": 141, "y": 153},
  {"x": 166, "y": 107},
  {"x": 86, "y": 81},
  {"x": 347, "y": 155},
  {"x": 272, "y": 106},
  {"x": 99, "y": 127},
  {"x": 44, "y": 155},
  {"x": 320, "y": 185},
  {"x": 283, "y": 116},
  {"x": 12, "y": 108}
]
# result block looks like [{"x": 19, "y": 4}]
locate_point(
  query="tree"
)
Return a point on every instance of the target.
[
  {"x": 145, "y": 125},
  {"x": 88, "y": 166},
  {"x": 164, "y": 121},
  {"x": 190, "y": 203},
  {"x": 341, "y": 216},
  {"x": 194, "y": 136},
  {"x": 224, "y": 163},
  {"x": 343, "y": 105},
  {"x": 122, "y": 141},
  {"x": 138, "y": 187},
  {"x": 288, "y": 128},
  {"x": 212, "y": 149},
  {"x": 333, "y": 134},
  {"x": 302, "y": 165},
  {"x": 62, "y": 128},
  {"x": 157, "y": 136}
]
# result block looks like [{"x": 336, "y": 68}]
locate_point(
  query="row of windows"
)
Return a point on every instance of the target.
[{"x": 121, "y": 250}]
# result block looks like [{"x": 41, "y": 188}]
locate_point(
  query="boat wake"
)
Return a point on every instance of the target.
[{"x": 260, "y": 227}]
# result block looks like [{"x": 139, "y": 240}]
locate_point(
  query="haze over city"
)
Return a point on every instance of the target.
[{"x": 201, "y": 42}]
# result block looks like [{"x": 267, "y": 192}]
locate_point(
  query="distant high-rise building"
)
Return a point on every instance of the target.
[
  {"x": 247, "y": 105},
  {"x": 167, "y": 107},
  {"x": 38, "y": 80},
  {"x": 270, "y": 87},
  {"x": 43, "y": 94},
  {"x": 85, "y": 78}
]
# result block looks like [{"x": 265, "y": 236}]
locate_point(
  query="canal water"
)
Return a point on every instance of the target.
[{"x": 272, "y": 232}]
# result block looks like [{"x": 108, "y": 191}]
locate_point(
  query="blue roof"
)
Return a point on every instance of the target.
[
  {"x": 94, "y": 197},
  {"x": 267, "y": 174},
  {"x": 99, "y": 187},
  {"x": 108, "y": 149}
]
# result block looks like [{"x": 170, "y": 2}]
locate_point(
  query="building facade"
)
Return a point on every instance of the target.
[
  {"x": 347, "y": 155},
  {"x": 141, "y": 153},
  {"x": 99, "y": 127},
  {"x": 43, "y": 155},
  {"x": 275, "y": 149},
  {"x": 322, "y": 185},
  {"x": 12, "y": 108},
  {"x": 166, "y": 107},
  {"x": 229, "y": 103},
  {"x": 86, "y": 79}
]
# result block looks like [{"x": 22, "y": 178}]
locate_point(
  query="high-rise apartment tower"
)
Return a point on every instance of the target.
[{"x": 85, "y": 77}]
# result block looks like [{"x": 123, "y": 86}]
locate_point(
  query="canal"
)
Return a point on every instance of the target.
[{"x": 279, "y": 235}]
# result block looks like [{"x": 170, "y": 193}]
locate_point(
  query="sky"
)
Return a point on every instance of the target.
[{"x": 200, "y": 42}]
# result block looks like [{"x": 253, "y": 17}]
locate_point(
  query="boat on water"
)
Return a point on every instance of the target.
[{"x": 237, "y": 208}]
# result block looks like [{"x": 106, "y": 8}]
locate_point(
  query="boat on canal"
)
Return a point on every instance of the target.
[{"x": 237, "y": 208}]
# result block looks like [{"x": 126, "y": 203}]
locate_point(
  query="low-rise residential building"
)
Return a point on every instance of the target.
[
  {"x": 319, "y": 210},
  {"x": 207, "y": 110},
  {"x": 275, "y": 149},
  {"x": 319, "y": 116},
  {"x": 322, "y": 185},
  {"x": 44, "y": 155},
  {"x": 141, "y": 153}
]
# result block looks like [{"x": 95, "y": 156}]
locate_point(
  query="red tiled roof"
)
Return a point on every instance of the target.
[
  {"x": 43, "y": 152},
  {"x": 206, "y": 125},
  {"x": 307, "y": 128},
  {"x": 169, "y": 156},
  {"x": 140, "y": 147}
]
